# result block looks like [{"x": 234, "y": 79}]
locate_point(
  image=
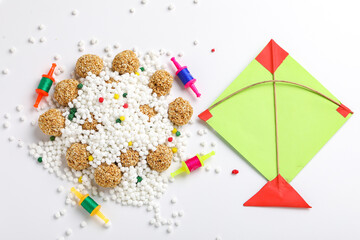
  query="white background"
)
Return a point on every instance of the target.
[{"x": 323, "y": 36}]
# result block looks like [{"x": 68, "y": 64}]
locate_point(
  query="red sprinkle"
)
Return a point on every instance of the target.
[
  {"x": 126, "y": 105},
  {"x": 235, "y": 171},
  {"x": 170, "y": 139},
  {"x": 101, "y": 99},
  {"x": 213, "y": 50}
]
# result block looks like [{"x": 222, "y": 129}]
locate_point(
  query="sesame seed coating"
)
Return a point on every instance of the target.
[
  {"x": 89, "y": 63},
  {"x": 180, "y": 111},
  {"x": 147, "y": 110},
  {"x": 161, "y": 82},
  {"x": 77, "y": 156},
  {"x": 66, "y": 91},
  {"x": 107, "y": 176},
  {"x": 160, "y": 159},
  {"x": 125, "y": 62},
  {"x": 130, "y": 158},
  {"x": 90, "y": 125},
  {"x": 51, "y": 122}
]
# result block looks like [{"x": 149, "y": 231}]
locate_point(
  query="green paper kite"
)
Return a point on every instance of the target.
[{"x": 277, "y": 116}]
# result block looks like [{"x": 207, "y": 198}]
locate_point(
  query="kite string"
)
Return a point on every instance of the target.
[
  {"x": 276, "y": 128},
  {"x": 270, "y": 81}
]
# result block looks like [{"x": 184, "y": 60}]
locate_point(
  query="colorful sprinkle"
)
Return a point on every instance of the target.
[
  {"x": 213, "y": 50},
  {"x": 130, "y": 143},
  {"x": 73, "y": 110},
  {"x": 124, "y": 95},
  {"x": 142, "y": 69},
  {"x": 91, "y": 158},
  {"x": 52, "y": 138},
  {"x": 71, "y": 116},
  {"x": 137, "y": 73},
  {"x": 235, "y": 171},
  {"x": 126, "y": 105},
  {"x": 139, "y": 179},
  {"x": 80, "y": 86},
  {"x": 39, "y": 159},
  {"x": 174, "y": 130},
  {"x": 174, "y": 150},
  {"x": 118, "y": 120},
  {"x": 101, "y": 99},
  {"x": 170, "y": 139},
  {"x": 116, "y": 96},
  {"x": 122, "y": 118},
  {"x": 80, "y": 179},
  {"x": 178, "y": 133}
]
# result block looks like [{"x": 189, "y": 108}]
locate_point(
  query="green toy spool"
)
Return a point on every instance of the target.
[
  {"x": 89, "y": 204},
  {"x": 45, "y": 84}
]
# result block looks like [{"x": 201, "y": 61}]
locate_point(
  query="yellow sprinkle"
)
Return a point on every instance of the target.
[
  {"x": 130, "y": 143},
  {"x": 174, "y": 149},
  {"x": 116, "y": 96},
  {"x": 137, "y": 73},
  {"x": 91, "y": 158},
  {"x": 174, "y": 130},
  {"x": 80, "y": 179},
  {"x": 122, "y": 118}
]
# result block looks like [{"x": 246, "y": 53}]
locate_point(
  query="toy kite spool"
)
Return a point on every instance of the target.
[
  {"x": 185, "y": 77},
  {"x": 89, "y": 205},
  {"x": 45, "y": 84},
  {"x": 192, "y": 164}
]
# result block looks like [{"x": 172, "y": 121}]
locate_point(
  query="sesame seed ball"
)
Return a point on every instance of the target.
[
  {"x": 107, "y": 176},
  {"x": 160, "y": 159},
  {"x": 161, "y": 82},
  {"x": 180, "y": 111},
  {"x": 130, "y": 158},
  {"x": 125, "y": 62},
  {"x": 77, "y": 156},
  {"x": 51, "y": 122},
  {"x": 147, "y": 110},
  {"x": 89, "y": 63},
  {"x": 90, "y": 125},
  {"x": 66, "y": 91}
]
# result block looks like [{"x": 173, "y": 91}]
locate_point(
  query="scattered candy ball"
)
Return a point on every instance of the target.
[
  {"x": 130, "y": 158},
  {"x": 170, "y": 139},
  {"x": 139, "y": 179},
  {"x": 122, "y": 118},
  {"x": 180, "y": 111},
  {"x": 80, "y": 86},
  {"x": 161, "y": 82},
  {"x": 177, "y": 133},
  {"x": 174, "y": 150},
  {"x": 52, "y": 138},
  {"x": 89, "y": 63},
  {"x": 147, "y": 110},
  {"x": 77, "y": 156},
  {"x": 124, "y": 95},
  {"x": 160, "y": 159},
  {"x": 108, "y": 176},
  {"x": 213, "y": 50},
  {"x": 126, "y": 105},
  {"x": 40, "y": 160},
  {"x": 66, "y": 91},
  {"x": 101, "y": 99},
  {"x": 125, "y": 62},
  {"x": 90, "y": 125},
  {"x": 235, "y": 171},
  {"x": 83, "y": 224},
  {"x": 116, "y": 96},
  {"x": 51, "y": 122}
]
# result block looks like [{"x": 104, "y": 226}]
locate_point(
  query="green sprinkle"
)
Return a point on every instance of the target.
[
  {"x": 142, "y": 69},
  {"x": 178, "y": 133},
  {"x": 73, "y": 110},
  {"x": 52, "y": 138},
  {"x": 124, "y": 95},
  {"x": 118, "y": 120},
  {"x": 39, "y": 159},
  {"x": 139, "y": 179},
  {"x": 71, "y": 116},
  {"x": 80, "y": 86}
]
